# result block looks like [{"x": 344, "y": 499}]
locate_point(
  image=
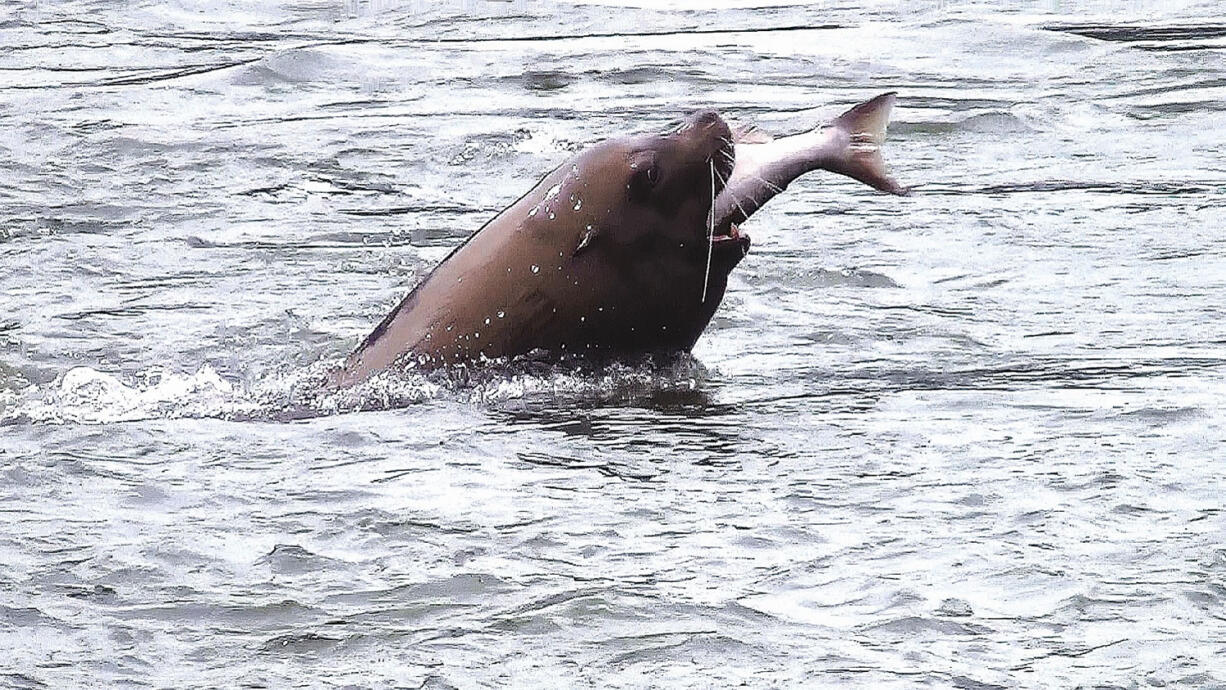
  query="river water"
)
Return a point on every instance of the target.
[{"x": 971, "y": 438}]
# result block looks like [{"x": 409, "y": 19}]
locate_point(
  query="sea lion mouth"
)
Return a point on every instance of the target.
[{"x": 733, "y": 243}]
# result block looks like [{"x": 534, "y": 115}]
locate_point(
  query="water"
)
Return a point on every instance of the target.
[{"x": 970, "y": 438}]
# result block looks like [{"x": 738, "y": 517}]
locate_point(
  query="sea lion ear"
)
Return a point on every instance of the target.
[
  {"x": 585, "y": 241},
  {"x": 644, "y": 174}
]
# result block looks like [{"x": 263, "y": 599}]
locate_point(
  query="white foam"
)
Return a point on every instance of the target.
[{"x": 88, "y": 396}]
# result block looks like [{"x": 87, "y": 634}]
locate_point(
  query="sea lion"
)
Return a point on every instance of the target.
[{"x": 624, "y": 249}]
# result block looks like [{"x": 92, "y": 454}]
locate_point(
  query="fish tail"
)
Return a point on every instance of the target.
[{"x": 860, "y": 157}]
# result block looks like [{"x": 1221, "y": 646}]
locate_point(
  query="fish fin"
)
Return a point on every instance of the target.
[
  {"x": 750, "y": 134},
  {"x": 861, "y": 158}
]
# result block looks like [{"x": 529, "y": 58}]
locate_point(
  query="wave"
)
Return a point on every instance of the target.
[{"x": 84, "y": 395}]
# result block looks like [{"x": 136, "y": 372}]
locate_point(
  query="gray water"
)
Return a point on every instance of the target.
[{"x": 971, "y": 438}]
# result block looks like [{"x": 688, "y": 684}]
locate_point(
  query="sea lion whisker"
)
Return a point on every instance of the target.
[
  {"x": 727, "y": 150},
  {"x": 770, "y": 185},
  {"x": 723, "y": 181},
  {"x": 706, "y": 278},
  {"x": 736, "y": 201}
]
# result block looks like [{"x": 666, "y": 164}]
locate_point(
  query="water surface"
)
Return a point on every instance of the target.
[{"x": 970, "y": 438}]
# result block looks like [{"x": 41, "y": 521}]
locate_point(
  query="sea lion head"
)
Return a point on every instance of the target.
[
  {"x": 658, "y": 189},
  {"x": 634, "y": 214}
]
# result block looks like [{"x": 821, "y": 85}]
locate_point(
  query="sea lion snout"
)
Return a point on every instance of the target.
[
  {"x": 709, "y": 124},
  {"x": 713, "y": 138},
  {"x": 707, "y": 119}
]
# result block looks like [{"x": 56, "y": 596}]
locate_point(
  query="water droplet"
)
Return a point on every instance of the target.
[
  {"x": 501, "y": 314},
  {"x": 534, "y": 210},
  {"x": 551, "y": 216},
  {"x": 582, "y": 319},
  {"x": 449, "y": 328},
  {"x": 487, "y": 321},
  {"x": 536, "y": 269},
  {"x": 578, "y": 204}
]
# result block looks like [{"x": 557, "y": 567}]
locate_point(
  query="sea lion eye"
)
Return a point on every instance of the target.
[
  {"x": 653, "y": 174},
  {"x": 644, "y": 179}
]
